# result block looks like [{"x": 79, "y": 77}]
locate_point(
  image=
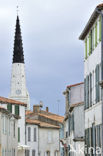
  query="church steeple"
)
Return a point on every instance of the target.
[
  {"x": 18, "y": 79},
  {"x": 18, "y": 56}
]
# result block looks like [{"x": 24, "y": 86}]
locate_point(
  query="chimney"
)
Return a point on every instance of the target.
[
  {"x": 36, "y": 108},
  {"x": 47, "y": 109}
]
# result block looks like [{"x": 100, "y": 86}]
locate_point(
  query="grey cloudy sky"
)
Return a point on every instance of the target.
[{"x": 53, "y": 53}]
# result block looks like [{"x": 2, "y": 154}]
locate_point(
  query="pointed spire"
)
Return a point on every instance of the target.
[{"x": 18, "y": 56}]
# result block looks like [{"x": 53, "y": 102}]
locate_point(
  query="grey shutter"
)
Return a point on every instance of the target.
[
  {"x": 34, "y": 134},
  {"x": 85, "y": 98},
  {"x": 33, "y": 152},
  {"x": 96, "y": 84},
  {"x": 87, "y": 91},
  {"x": 94, "y": 136},
  {"x": 90, "y": 89},
  {"x": 27, "y": 153},
  {"x": 29, "y": 134}
]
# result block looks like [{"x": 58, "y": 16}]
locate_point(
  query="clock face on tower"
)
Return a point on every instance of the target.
[{"x": 18, "y": 92}]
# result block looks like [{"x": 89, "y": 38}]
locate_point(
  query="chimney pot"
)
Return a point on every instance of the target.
[{"x": 47, "y": 109}]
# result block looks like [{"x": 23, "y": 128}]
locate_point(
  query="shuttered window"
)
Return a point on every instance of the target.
[
  {"x": 16, "y": 109},
  {"x": 85, "y": 93},
  {"x": 93, "y": 38},
  {"x": 100, "y": 28},
  {"x": 94, "y": 136},
  {"x": 97, "y": 87},
  {"x": 96, "y": 34},
  {"x": 87, "y": 79},
  {"x": 90, "y": 43},
  {"x": 27, "y": 153},
  {"x": 33, "y": 152},
  {"x": 34, "y": 134},
  {"x": 9, "y": 108},
  {"x": 18, "y": 134},
  {"x": 29, "y": 134},
  {"x": 86, "y": 49},
  {"x": 90, "y": 89}
]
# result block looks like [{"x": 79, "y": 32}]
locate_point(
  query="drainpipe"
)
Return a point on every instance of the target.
[{"x": 101, "y": 83}]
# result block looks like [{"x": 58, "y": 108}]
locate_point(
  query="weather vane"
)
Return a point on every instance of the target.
[{"x": 17, "y": 9}]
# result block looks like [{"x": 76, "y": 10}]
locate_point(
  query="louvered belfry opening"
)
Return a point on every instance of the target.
[{"x": 18, "y": 56}]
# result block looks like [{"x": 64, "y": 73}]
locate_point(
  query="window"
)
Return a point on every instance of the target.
[
  {"x": 66, "y": 134},
  {"x": 3, "y": 124},
  {"x": 16, "y": 109},
  {"x": 90, "y": 89},
  {"x": 9, "y": 108},
  {"x": 97, "y": 87},
  {"x": 33, "y": 152},
  {"x": 85, "y": 93},
  {"x": 90, "y": 41},
  {"x": 56, "y": 153},
  {"x": 47, "y": 153},
  {"x": 100, "y": 26},
  {"x": 49, "y": 137},
  {"x": 96, "y": 34},
  {"x": 87, "y": 86},
  {"x": 3, "y": 152},
  {"x": 34, "y": 134},
  {"x": 29, "y": 134},
  {"x": 18, "y": 134},
  {"x": 86, "y": 49},
  {"x": 27, "y": 153},
  {"x": 14, "y": 128}
]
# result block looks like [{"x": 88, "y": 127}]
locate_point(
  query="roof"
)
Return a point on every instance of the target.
[
  {"x": 76, "y": 105},
  {"x": 10, "y": 101},
  {"x": 53, "y": 117},
  {"x": 4, "y": 110},
  {"x": 28, "y": 112},
  {"x": 91, "y": 21},
  {"x": 41, "y": 124},
  {"x": 18, "y": 56},
  {"x": 77, "y": 84},
  {"x": 48, "y": 115}
]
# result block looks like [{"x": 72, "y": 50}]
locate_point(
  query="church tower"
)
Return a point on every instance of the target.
[{"x": 18, "y": 81}]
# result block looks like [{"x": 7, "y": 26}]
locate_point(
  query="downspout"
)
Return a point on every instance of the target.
[{"x": 101, "y": 83}]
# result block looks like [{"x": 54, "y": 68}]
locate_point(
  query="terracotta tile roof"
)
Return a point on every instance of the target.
[
  {"x": 77, "y": 84},
  {"x": 91, "y": 21},
  {"x": 75, "y": 105},
  {"x": 100, "y": 5},
  {"x": 6, "y": 100},
  {"x": 41, "y": 124},
  {"x": 53, "y": 117},
  {"x": 28, "y": 112}
]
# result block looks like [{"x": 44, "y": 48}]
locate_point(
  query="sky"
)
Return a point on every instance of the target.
[{"x": 53, "y": 53}]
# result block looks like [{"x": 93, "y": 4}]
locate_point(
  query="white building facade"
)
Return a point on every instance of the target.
[
  {"x": 74, "y": 120},
  {"x": 8, "y": 133},
  {"x": 92, "y": 37},
  {"x": 32, "y": 138},
  {"x": 17, "y": 108}
]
